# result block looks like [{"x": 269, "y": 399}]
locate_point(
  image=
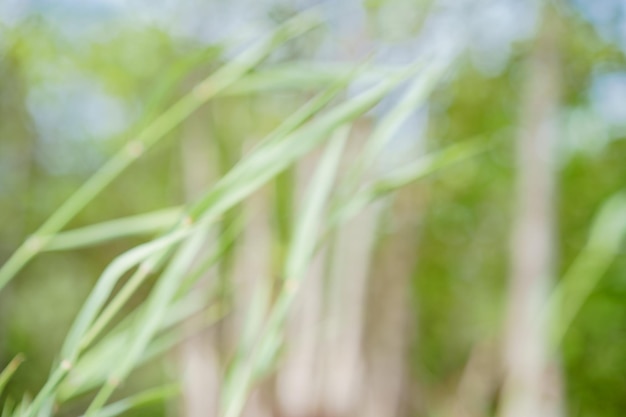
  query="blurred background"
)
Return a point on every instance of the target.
[{"x": 431, "y": 306}]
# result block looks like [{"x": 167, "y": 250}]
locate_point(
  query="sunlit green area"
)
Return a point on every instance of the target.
[{"x": 302, "y": 208}]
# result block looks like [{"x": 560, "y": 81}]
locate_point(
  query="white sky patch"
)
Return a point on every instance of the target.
[
  {"x": 209, "y": 21},
  {"x": 494, "y": 27},
  {"x": 590, "y": 128},
  {"x": 69, "y": 117},
  {"x": 12, "y": 12},
  {"x": 607, "y": 17},
  {"x": 608, "y": 97}
]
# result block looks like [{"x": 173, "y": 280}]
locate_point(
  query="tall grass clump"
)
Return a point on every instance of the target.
[{"x": 111, "y": 336}]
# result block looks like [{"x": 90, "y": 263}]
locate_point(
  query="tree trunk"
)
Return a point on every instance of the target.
[{"x": 530, "y": 372}]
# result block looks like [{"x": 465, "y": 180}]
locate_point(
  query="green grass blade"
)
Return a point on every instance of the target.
[
  {"x": 9, "y": 370},
  {"x": 23, "y": 406},
  {"x": 115, "y": 229},
  {"x": 424, "y": 83},
  {"x": 108, "y": 280},
  {"x": 7, "y": 408},
  {"x": 158, "y": 394},
  {"x": 47, "y": 409},
  {"x": 300, "y": 76},
  {"x": 303, "y": 247},
  {"x": 189, "y": 305},
  {"x": 603, "y": 246},
  {"x": 156, "y": 307},
  {"x": 402, "y": 176},
  {"x": 115, "y": 305},
  {"x": 171, "y": 77},
  {"x": 93, "y": 368},
  {"x": 312, "y": 107},
  {"x": 225, "y": 242},
  {"x": 96, "y": 299}
]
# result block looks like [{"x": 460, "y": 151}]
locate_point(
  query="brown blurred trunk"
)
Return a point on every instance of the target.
[
  {"x": 252, "y": 282},
  {"x": 532, "y": 385},
  {"x": 198, "y": 359},
  {"x": 350, "y": 330},
  {"x": 204, "y": 357},
  {"x": 323, "y": 372},
  {"x": 389, "y": 325}
]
